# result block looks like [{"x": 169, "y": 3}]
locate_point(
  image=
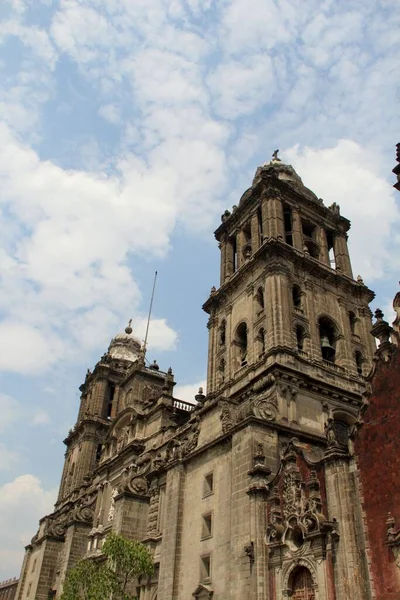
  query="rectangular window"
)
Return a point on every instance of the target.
[
  {"x": 29, "y": 590},
  {"x": 208, "y": 487},
  {"x": 33, "y": 566},
  {"x": 206, "y": 526},
  {"x": 205, "y": 568}
]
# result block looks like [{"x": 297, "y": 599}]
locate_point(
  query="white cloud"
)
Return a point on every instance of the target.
[
  {"x": 188, "y": 391},
  {"x": 8, "y": 458},
  {"x": 110, "y": 113},
  {"x": 10, "y": 410},
  {"x": 41, "y": 418},
  {"x": 350, "y": 175},
  {"x": 22, "y": 502},
  {"x": 242, "y": 86}
]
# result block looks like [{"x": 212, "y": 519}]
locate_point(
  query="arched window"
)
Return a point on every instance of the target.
[
  {"x": 259, "y": 300},
  {"x": 241, "y": 344},
  {"x": 222, "y": 333},
  {"x": 352, "y": 321},
  {"x": 288, "y": 223},
  {"x": 300, "y": 335},
  {"x": 359, "y": 361},
  {"x": 221, "y": 369},
  {"x": 261, "y": 342},
  {"x": 302, "y": 587},
  {"x": 296, "y": 296},
  {"x": 328, "y": 336}
]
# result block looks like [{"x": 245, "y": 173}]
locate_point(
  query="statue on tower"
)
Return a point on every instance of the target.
[{"x": 275, "y": 156}]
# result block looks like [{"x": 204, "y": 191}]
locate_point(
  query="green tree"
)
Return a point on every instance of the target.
[{"x": 126, "y": 561}]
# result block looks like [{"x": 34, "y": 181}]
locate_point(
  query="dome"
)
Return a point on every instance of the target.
[
  {"x": 125, "y": 346},
  {"x": 287, "y": 174}
]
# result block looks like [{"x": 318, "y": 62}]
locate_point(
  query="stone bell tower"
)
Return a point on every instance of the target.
[{"x": 290, "y": 347}]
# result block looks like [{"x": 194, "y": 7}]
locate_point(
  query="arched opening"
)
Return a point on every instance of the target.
[
  {"x": 300, "y": 335},
  {"x": 328, "y": 336},
  {"x": 294, "y": 538},
  {"x": 259, "y": 297},
  {"x": 359, "y": 361},
  {"x": 331, "y": 252},
  {"x": 352, "y": 321},
  {"x": 110, "y": 399},
  {"x": 261, "y": 342},
  {"x": 309, "y": 235},
  {"x": 221, "y": 369},
  {"x": 241, "y": 344},
  {"x": 296, "y": 296},
  {"x": 247, "y": 246},
  {"x": 222, "y": 333},
  {"x": 302, "y": 585},
  {"x": 288, "y": 223}
]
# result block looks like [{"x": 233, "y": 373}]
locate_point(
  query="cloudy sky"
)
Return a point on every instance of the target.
[{"x": 126, "y": 128}]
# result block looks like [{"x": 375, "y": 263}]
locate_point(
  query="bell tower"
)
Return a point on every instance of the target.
[
  {"x": 287, "y": 295},
  {"x": 289, "y": 352}
]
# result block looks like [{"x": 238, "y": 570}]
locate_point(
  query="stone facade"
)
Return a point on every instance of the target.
[
  {"x": 8, "y": 589},
  {"x": 253, "y": 492}
]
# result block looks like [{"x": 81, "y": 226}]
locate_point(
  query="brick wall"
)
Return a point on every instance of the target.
[{"x": 378, "y": 454}]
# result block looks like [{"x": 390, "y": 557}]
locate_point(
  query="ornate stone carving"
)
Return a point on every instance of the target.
[
  {"x": 295, "y": 511},
  {"x": 153, "y": 510},
  {"x": 111, "y": 512},
  {"x": 138, "y": 485},
  {"x": 266, "y": 407},
  {"x": 393, "y": 538}
]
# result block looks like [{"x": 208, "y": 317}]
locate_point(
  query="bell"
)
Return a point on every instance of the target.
[{"x": 328, "y": 351}]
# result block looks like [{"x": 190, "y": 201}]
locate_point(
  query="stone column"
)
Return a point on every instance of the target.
[
  {"x": 257, "y": 550},
  {"x": 349, "y": 569},
  {"x": 276, "y": 222},
  {"x": 265, "y": 208},
  {"x": 323, "y": 243},
  {"x": 222, "y": 247},
  {"x": 342, "y": 257},
  {"x": 311, "y": 311},
  {"x": 345, "y": 357},
  {"x": 240, "y": 244},
  {"x": 255, "y": 235},
  {"x": 228, "y": 343},
  {"x": 296, "y": 230},
  {"x": 367, "y": 339},
  {"x": 61, "y": 491},
  {"x": 279, "y": 309},
  {"x": 171, "y": 546},
  {"x": 212, "y": 367},
  {"x": 229, "y": 259}
]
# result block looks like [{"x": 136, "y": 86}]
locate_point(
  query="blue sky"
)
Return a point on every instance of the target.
[{"x": 126, "y": 128}]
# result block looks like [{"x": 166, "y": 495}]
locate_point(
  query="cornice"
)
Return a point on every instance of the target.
[
  {"x": 273, "y": 248},
  {"x": 294, "y": 197}
]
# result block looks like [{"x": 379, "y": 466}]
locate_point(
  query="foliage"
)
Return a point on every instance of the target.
[
  {"x": 88, "y": 581},
  {"x": 127, "y": 561}
]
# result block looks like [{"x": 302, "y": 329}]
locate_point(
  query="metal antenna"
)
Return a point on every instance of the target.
[{"x": 148, "y": 320}]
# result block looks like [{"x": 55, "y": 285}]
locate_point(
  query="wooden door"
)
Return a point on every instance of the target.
[{"x": 302, "y": 585}]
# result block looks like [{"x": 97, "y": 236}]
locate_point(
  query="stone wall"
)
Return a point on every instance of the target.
[{"x": 378, "y": 455}]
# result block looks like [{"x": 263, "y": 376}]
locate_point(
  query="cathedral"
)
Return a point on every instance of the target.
[{"x": 260, "y": 490}]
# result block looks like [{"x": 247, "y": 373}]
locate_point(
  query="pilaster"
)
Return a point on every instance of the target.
[{"x": 297, "y": 233}]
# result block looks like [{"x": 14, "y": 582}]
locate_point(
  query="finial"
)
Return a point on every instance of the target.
[
  {"x": 129, "y": 328},
  {"x": 378, "y": 314},
  {"x": 275, "y": 156},
  {"x": 200, "y": 397}
]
